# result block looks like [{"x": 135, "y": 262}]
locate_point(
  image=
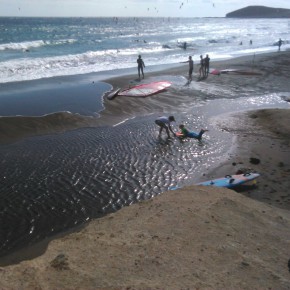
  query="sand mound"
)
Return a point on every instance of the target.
[{"x": 196, "y": 237}]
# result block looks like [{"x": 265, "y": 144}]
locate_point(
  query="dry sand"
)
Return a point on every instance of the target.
[
  {"x": 193, "y": 238},
  {"x": 196, "y": 237}
]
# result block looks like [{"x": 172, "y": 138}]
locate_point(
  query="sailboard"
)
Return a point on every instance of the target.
[
  {"x": 230, "y": 181},
  {"x": 215, "y": 71},
  {"x": 143, "y": 90}
]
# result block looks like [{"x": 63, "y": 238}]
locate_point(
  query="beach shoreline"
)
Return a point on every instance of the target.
[
  {"x": 260, "y": 134},
  {"x": 119, "y": 109}
]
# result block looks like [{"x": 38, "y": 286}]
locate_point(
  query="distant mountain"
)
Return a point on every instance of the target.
[{"x": 259, "y": 12}]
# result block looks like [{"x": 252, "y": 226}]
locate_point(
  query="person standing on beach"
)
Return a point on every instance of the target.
[
  {"x": 201, "y": 69},
  {"x": 279, "y": 44},
  {"x": 164, "y": 123},
  {"x": 141, "y": 65},
  {"x": 191, "y": 65},
  {"x": 206, "y": 65}
]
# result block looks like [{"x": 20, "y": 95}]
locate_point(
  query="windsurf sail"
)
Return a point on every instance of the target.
[{"x": 145, "y": 90}]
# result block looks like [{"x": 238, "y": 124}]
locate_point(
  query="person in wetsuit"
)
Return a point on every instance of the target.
[
  {"x": 279, "y": 44},
  {"x": 191, "y": 64},
  {"x": 201, "y": 69},
  {"x": 206, "y": 65},
  {"x": 140, "y": 66}
]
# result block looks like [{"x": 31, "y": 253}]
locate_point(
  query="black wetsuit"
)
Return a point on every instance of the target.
[{"x": 140, "y": 66}]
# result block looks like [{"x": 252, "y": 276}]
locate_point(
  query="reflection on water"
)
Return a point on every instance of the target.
[
  {"x": 78, "y": 98},
  {"x": 52, "y": 183}
]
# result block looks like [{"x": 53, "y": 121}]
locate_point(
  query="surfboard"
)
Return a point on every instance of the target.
[
  {"x": 230, "y": 181},
  {"x": 145, "y": 90}
]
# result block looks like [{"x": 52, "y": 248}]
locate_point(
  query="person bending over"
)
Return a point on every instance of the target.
[{"x": 165, "y": 123}]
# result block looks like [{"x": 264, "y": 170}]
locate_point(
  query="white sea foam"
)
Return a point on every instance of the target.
[
  {"x": 55, "y": 47},
  {"x": 26, "y": 45},
  {"x": 22, "y": 45}
]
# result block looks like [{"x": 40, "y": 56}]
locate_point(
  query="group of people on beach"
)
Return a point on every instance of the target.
[
  {"x": 165, "y": 123},
  {"x": 204, "y": 66},
  {"x": 203, "y": 69}
]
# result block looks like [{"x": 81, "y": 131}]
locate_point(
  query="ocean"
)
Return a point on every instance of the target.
[
  {"x": 55, "y": 182},
  {"x": 33, "y": 48}
]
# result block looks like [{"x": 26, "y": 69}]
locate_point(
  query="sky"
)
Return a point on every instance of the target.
[{"x": 130, "y": 8}]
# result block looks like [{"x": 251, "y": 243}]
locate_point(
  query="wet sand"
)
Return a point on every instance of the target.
[
  {"x": 263, "y": 134},
  {"x": 272, "y": 76},
  {"x": 272, "y": 69},
  {"x": 194, "y": 237}
]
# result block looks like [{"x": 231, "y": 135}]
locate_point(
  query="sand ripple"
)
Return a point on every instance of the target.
[{"x": 53, "y": 183}]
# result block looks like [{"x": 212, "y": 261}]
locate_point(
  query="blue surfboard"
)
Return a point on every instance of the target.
[{"x": 229, "y": 181}]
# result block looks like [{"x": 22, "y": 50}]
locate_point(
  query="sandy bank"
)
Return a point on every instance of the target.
[
  {"x": 194, "y": 238},
  {"x": 262, "y": 145}
]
